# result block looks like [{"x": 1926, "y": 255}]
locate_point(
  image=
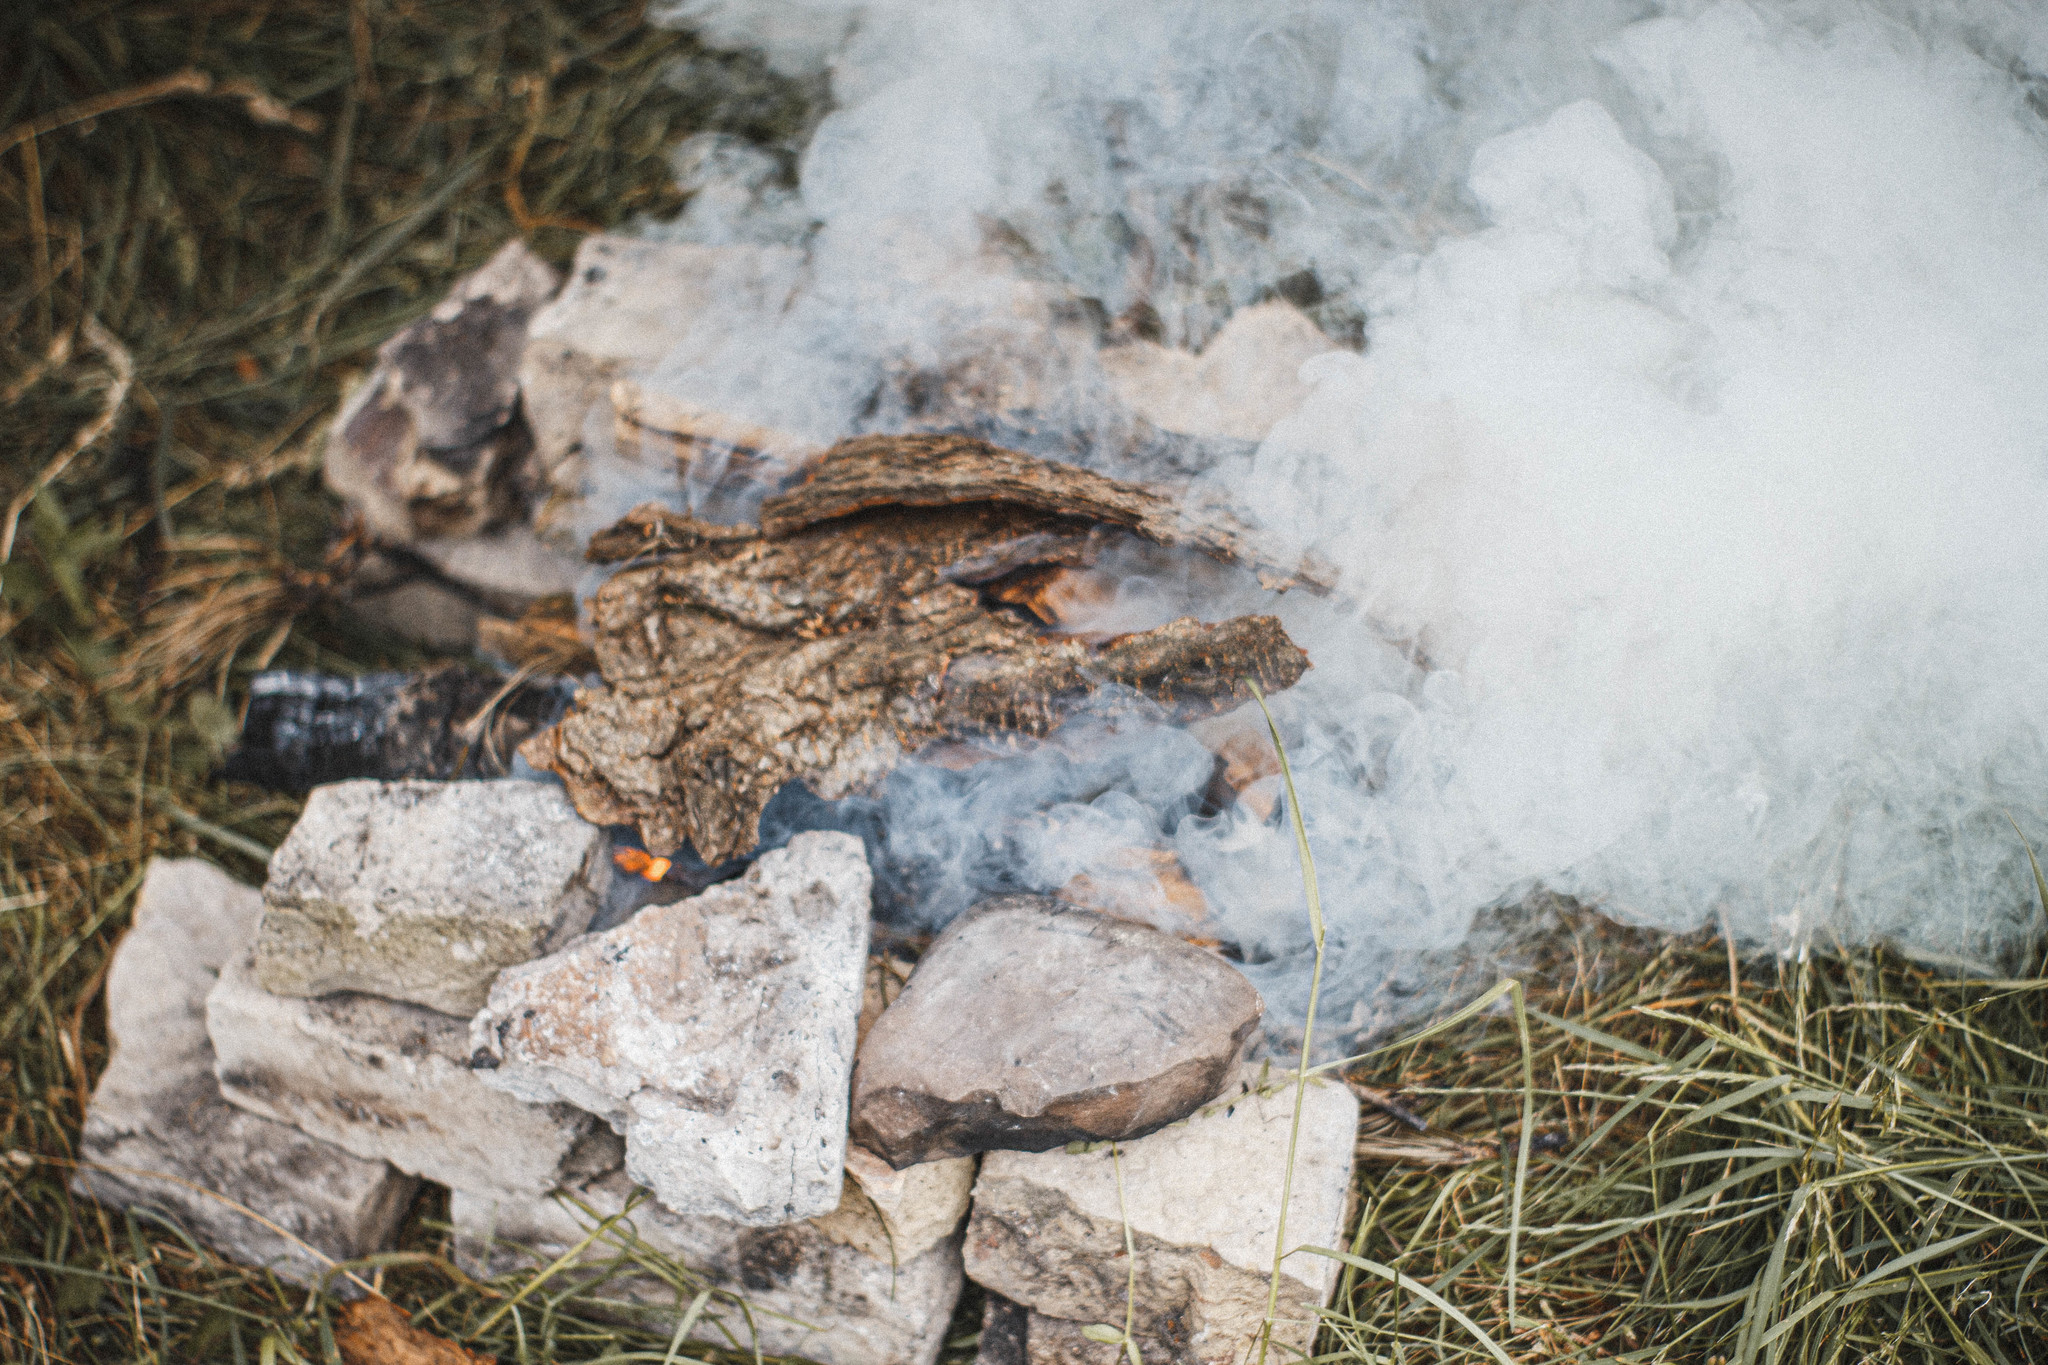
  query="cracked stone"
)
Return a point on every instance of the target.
[
  {"x": 1031, "y": 1023},
  {"x": 717, "y": 1033},
  {"x": 811, "y": 1296},
  {"x": 383, "y": 1080},
  {"x": 158, "y": 1132},
  {"x": 424, "y": 891},
  {"x": 1203, "y": 1203}
]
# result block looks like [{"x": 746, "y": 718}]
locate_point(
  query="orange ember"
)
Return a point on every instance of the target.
[{"x": 641, "y": 861}]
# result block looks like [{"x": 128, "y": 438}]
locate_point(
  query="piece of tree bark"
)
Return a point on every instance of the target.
[
  {"x": 832, "y": 646},
  {"x": 933, "y": 471}
]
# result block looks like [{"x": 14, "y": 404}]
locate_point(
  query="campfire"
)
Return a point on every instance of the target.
[
  {"x": 986, "y": 669},
  {"x": 603, "y": 943}
]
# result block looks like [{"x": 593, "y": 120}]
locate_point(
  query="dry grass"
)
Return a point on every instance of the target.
[
  {"x": 210, "y": 212},
  {"x": 1844, "y": 1159}
]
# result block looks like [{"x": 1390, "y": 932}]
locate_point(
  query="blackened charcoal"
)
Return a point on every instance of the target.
[
  {"x": 303, "y": 730},
  {"x": 1005, "y": 1333}
]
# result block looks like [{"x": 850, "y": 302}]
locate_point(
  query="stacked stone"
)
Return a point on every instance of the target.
[
  {"x": 160, "y": 1135},
  {"x": 413, "y": 996},
  {"x": 716, "y": 1037},
  {"x": 1097, "y": 1065},
  {"x": 321, "y": 1026}
]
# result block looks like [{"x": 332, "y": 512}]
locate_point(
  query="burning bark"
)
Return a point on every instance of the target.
[{"x": 864, "y": 619}]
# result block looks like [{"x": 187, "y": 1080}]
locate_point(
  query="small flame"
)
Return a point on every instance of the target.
[{"x": 641, "y": 861}]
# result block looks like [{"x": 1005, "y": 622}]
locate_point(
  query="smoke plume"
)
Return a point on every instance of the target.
[{"x": 1679, "y": 438}]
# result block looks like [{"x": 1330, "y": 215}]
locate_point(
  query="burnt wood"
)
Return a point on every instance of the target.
[{"x": 303, "y": 730}]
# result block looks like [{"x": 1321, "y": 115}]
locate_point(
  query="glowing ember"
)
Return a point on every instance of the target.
[{"x": 639, "y": 860}]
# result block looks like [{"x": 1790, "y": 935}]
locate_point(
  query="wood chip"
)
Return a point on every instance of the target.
[
  {"x": 545, "y": 639},
  {"x": 375, "y": 1331}
]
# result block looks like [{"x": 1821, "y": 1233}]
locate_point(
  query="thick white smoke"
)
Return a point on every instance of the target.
[{"x": 1698, "y": 445}]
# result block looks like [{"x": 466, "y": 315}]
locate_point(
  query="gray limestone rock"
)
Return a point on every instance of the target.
[
  {"x": 1203, "y": 1203},
  {"x": 158, "y": 1132},
  {"x": 1032, "y": 1023},
  {"x": 383, "y": 1080},
  {"x": 809, "y": 1295},
  {"x": 716, "y": 1033},
  {"x": 434, "y": 450},
  {"x": 628, "y": 305},
  {"x": 433, "y": 444},
  {"x": 424, "y": 891}
]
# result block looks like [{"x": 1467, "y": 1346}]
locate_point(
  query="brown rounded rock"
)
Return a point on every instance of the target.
[{"x": 1032, "y": 1023}]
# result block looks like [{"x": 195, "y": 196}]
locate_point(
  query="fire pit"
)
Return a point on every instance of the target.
[
  {"x": 601, "y": 949},
  {"x": 851, "y": 856}
]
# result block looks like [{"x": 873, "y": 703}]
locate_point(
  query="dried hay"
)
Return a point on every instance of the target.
[
  {"x": 209, "y": 212},
  {"x": 1786, "y": 1161}
]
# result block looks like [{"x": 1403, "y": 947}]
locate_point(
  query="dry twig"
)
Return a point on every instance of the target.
[{"x": 123, "y": 366}]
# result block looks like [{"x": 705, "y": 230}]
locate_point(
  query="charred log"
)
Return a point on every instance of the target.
[{"x": 305, "y": 729}]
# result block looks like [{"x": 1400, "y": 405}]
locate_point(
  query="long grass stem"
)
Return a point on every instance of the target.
[{"x": 1308, "y": 1027}]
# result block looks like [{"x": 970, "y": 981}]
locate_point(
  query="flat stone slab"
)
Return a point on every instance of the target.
[
  {"x": 810, "y": 1295},
  {"x": 425, "y": 891},
  {"x": 1203, "y": 1201},
  {"x": 383, "y": 1080},
  {"x": 1032, "y": 1023},
  {"x": 158, "y": 1132},
  {"x": 716, "y": 1033},
  {"x": 628, "y": 305}
]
